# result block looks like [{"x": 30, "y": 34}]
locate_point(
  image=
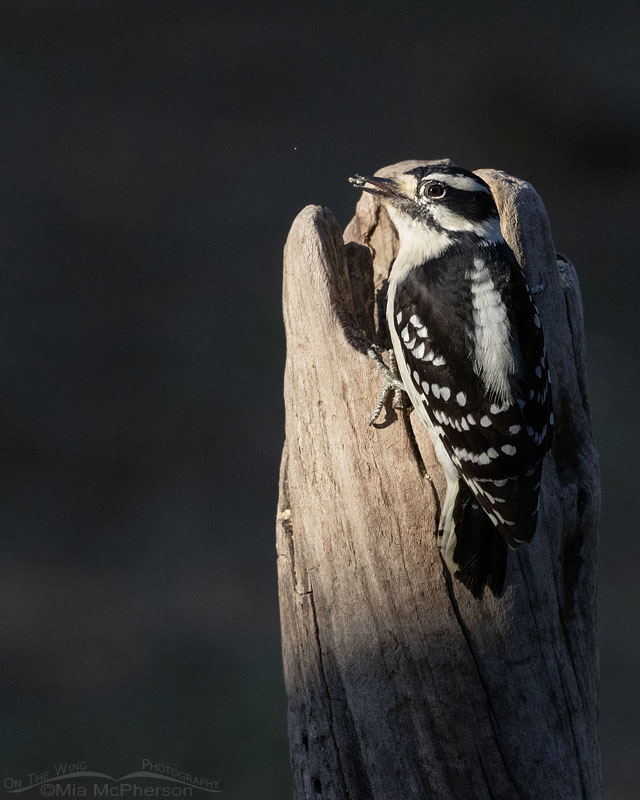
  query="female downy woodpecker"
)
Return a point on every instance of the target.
[{"x": 468, "y": 342}]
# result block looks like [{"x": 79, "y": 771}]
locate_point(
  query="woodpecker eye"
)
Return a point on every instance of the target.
[{"x": 436, "y": 190}]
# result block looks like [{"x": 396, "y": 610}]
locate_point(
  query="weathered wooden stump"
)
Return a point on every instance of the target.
[{"x": 400, "y": 684}]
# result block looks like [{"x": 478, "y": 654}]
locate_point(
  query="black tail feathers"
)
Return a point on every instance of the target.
[{"x": 480, "y": 552}]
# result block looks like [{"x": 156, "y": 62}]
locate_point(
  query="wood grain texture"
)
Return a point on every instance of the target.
[{"x": 400, "y": 684}]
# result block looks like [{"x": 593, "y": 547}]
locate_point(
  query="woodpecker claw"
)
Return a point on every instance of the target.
[{"x": 392, "y": 382}]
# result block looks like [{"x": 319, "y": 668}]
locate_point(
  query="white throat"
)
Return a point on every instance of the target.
[{"x": 418, "y": 243}]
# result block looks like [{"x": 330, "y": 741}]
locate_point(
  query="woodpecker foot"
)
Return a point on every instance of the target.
[{"x": 392, "y": 382}]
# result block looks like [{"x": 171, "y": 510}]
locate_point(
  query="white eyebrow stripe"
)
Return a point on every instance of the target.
[{"x": 459, "y": 182}]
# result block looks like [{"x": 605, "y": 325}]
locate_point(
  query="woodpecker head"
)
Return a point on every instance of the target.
[{"x": 447, "y": 200}]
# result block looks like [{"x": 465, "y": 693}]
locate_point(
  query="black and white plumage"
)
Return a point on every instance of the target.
[{"x": 469, "y": 346}]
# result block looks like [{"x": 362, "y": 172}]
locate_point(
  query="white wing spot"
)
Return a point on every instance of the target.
[
  {"x": 416, "y": 377},
  {"x": 419, "y": 351},
  {"x": 508, "y": 449},
  {"x": 435, "y": 389},
  {"x": 406, "y": 335},
  {"x": 425, "y": 387},
  {"x": 415, "y": 321},
  {"x": 438, "y": 361},
  {"x": 538, "y": 372},
  {"x": 471, "y": 419},
  {"x": 485, "y": 421},
  {"x": 514, "y": 429},
  {"x": 399, "y": 317},
  {"x": 551, "y": 418},
  {"x": 536, "y": 319},
  {"x": 422, "y": 332},
  {"x": 445, "y": 391},
  {"x": 464, "y": 454},
  {"x": 492, "y": 452},
  {"x": 464, "y": 424},
  {"x": 496, "y": 409},
  {"x": 461, "y": 398}
]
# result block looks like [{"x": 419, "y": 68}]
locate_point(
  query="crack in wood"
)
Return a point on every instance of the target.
[
  {"x": 338, "y": 772},
  {"x": 487, "y": 693}
]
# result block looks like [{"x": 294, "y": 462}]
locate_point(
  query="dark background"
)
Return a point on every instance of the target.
[{"x": 153, "y": 156}]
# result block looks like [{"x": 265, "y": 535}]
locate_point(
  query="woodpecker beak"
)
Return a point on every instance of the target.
[{"x": 385, "y": 187}]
